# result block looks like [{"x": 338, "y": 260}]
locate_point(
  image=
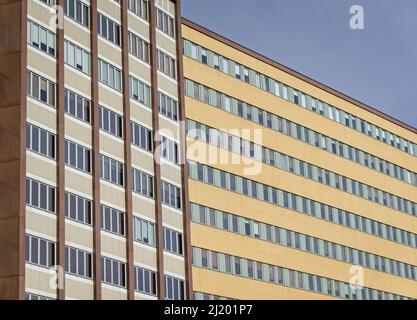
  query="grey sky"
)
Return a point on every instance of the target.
[{"x": 377, "y": 66}]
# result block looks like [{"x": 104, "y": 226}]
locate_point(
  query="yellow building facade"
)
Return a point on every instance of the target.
[{"x": 317, "y": 201}]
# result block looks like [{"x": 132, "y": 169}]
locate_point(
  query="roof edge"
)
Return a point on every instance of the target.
[{"x": 294, "y": 73}]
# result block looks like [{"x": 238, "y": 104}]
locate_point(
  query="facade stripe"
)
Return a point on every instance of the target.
[
  {"x": 97, "y": 272},
  {"x": 22, "y": 151},
  {"x": 294, "y": 73},
  {"x": 184, "y": 165},
  {"x": 130, "y": 272},
  {"x": 60, "y": 77},
  {"x": 156, "y": 155}
]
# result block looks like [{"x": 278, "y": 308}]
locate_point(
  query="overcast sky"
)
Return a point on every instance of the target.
[{"x": 377, "y": 65}]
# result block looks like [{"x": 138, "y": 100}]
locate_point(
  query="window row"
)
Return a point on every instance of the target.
[
  {"x": 296, "y": 131},
  {"x": 142, "y": 137},
  {"x": 109, "y": 75},
  {"x": 49, "y": 2},
  {"x": 78, "y": 262},
  {"x": 140, "y": 91},
  {"x": 173, "y": 241},
  {"x": 208, "y": 296},
  {"x": 111, "y": 122},
  {"x": 77, "y": 106},
  {"x": 144, "y": 231},
  {"x": 78, "y": 208},
  {"x": 168, "y": 106},
  {"x": 298, "y": 241},
  {"x": 281, "y": 161},
  {"x": 77, "y": 11},
  {"x": 108, "y": 29},
  {"x": 41, "y": 89},
  {"x": 40, "y": 195},
  {"x": 242, "y": 267},
  {"x": 174, "y": 288},
  {"x": 167, "y": 64},
  {"x": 77, "y": 57},
  {"x": 171, "y": 195},
  {"x": 165, "y": 23},
  {"x": 77, "y": 156},
  {"x": 138, "y": 47},
  {"x": 111, "y": 170},
  {"x": 113, "y": 272},
  {"x": 41, "y": 38},
  {"x": 304, "y": 100},
  {"x": 112, "y": 220},
  {"x": 300, "y": 204},
  {"x": 145, "y": 281},
  {"x": 40, "y": 141},
  {"x": 40, "y": 251},
  {"x": 142, "y": 183},
  {"x": 140, "y": 8},
  {"x": 32, "y": 296},
  {"x": 169, "y": 150}
]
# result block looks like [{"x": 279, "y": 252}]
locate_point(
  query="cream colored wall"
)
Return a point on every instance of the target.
[
  {"x": 167, "y": 5},
  {"x": 79, "y": 289},
  {"x": 79, "y": 183},
  {"x": 167, "y": 84},
  {"x": 38, "y": 279}
]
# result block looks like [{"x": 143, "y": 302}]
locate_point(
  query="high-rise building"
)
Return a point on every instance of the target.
[
  {"x": 91, "y": 175},
  {"x": 288, "y": 189},
  {"x": 296, "y": 191}
]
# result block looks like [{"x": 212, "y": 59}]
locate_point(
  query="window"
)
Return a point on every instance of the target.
[
  {"x": 299, "y": 98},
  {"x": 173, "y": 241},
  {"x": 140, "y": 8},
  {"x": 142, "y": 183},
  {"x": 314, "y": 206},
  {"x": 109, "y": 75},
  {"x": 40, "y": 251},
  {"x": 111, "y": 122},
  {"x": 78, "y": 208},
  {"x": 77, "y": 57},
  {"x": 141, "y": 137},
  {"x": 108, "y": 29},
  {"x": 145, "y": 281},
  {"x": 111, "y": 170},
  {"x": 174, "y": 288},
  {"x": 275, "y": 274},
  {"x": 77, "y": 106},
  {"x": 167, "y": 64},
  {"x": 40, "y": 195},
  {"x": 40, "y": 141},
  {"x": 41, "y": 38},
  {"x": 41, "y": 89},
  {"x": 168, "y": 106},
  {"x": 171, "y": 195},
  {"x": 77, "y": 11},
  {"x": 112, "y": 220},
  {"x": 113, "y": 272},
  {"x": 138, "y": 47},
  {"x": 165, "y": 23},
  {"x": 31, "y": 296},
  {"x": 317, "y": 139},
  {"x": 144, "y": 231},
  {"x": 140, "y": 91},
  {"x": 169, "y": 150},
  {"x": 77, "y": 156},
  {"x": 78, "y": 262},
  {"x": 49, "y": 3}
]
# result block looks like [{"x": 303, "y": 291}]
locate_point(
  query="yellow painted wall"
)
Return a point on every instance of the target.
[{"x": 209, "y": 238}]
